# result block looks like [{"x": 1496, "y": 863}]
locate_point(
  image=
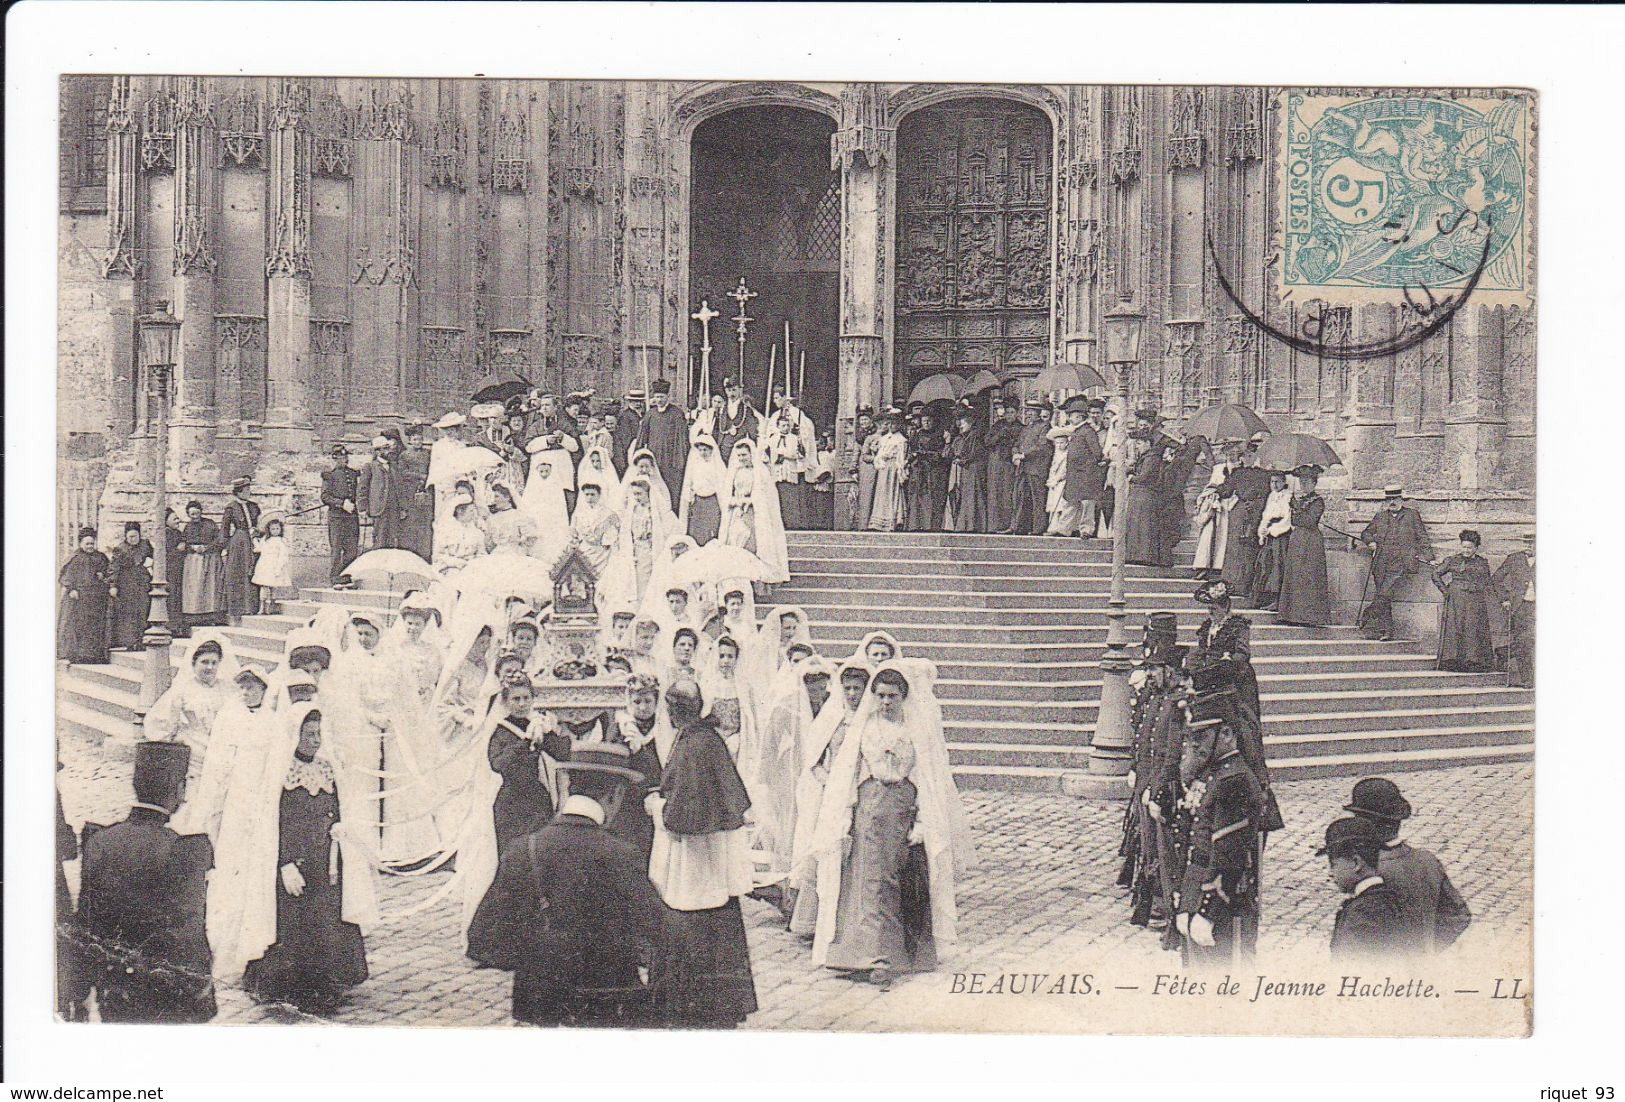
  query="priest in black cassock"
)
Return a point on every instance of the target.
[
  {"x": 572, "y": 912},
  {"x": 702, "y": 866},
  {"x": 665, "y": 433}
]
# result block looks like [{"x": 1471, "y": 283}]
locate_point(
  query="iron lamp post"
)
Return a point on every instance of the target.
[{"x": 159, "y": 331}]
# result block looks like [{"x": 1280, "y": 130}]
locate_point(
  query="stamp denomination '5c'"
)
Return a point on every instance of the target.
[{"x": 1384, "y": 192}]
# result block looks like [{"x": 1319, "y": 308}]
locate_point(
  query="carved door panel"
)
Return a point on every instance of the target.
[{"x": 973, "y": 240}]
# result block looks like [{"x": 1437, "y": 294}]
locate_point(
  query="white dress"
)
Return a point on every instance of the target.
[{"x": 275, "y": 565}]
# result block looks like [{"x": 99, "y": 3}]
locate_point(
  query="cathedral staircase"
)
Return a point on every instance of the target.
[{"x": 1016, "y": 626}]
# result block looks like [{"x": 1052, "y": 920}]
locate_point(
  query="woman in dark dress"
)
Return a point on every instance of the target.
[
  {"x": 317, "y": 955},
  {"x": 927, "y": 483},
  {"x": 132, "y": 580},
  {"x": 174, "y": 566},
  {"x": 1305, "y": 597},
  {"x": 81, "y": 634},
  {"x": 967, "y": 493},
  {"x": 1002, "y": 437},
  {"x": 1465, "y": 645}
]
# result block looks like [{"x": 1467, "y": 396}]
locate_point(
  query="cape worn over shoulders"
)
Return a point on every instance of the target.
[{"x": 702, "y": 789}]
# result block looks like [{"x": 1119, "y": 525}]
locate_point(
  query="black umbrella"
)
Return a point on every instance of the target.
[
  {"x": 1225, "y": 423},
  {"x": 1287, "y": 450},
  {"x": 500, "y": 387}
]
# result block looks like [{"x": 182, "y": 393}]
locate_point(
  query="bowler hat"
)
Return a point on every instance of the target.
[
  {"x": 601, "y": 757},
  {"x": 1378, "y": 798},
  {"x": 1345, "y": 834},
  {"x": 160, "y": 766}
]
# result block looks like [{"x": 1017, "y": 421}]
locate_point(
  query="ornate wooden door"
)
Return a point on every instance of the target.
[{"x": 973, "y": 240}]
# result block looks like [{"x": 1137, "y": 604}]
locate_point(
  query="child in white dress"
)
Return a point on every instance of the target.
[{"x": 273, "y": 569}]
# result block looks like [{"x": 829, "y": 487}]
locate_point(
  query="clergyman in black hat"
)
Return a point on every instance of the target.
[
  {"x": 1399, "y": 546},
  {"x": 141, "y": 902},
  {"x": 572, "y": 912},
  {"x": 1371, "y": 922},
  {"x": 664, "y": 432},
  {"x": 1431, "y": 904},
  {"x": 1144, "y": 514}
]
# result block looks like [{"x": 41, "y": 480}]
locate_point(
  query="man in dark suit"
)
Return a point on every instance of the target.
[
  {"x": 572, "y": 912},
  {"x": 1032, "y": 456},
  {"x": 1432, "y": 906},
  {"x": 1515, "y": 584},
  {"x": 141, "y": 902},
  {"x": 1398, "y": 542},
  {"x": 1085, "y": 464},
  {"x": 1371, "y": 922},
  {"x": 377, "y": 500},
  {"x": 340, "y": 485}
]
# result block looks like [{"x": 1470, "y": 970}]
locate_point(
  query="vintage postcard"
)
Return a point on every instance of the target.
[{"x": 813, "y": 556}]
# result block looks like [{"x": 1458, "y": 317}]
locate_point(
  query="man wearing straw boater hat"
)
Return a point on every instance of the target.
[
  {"x": 1398, "y": 543},
  {"x": 572, "y": 913}
]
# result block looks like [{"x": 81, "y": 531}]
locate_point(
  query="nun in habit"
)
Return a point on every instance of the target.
[
  {"x": 704, "y": 498},
  {"x": 891, "y": 837}
]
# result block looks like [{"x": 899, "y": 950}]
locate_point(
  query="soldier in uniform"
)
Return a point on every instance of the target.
[
  {"x": 1218, "y": 894},
  {"x": 1432, "y": 906},
  {"x": 1150, "y": 704},
  {"x": 141, "y": 902},
  {"x": 1398, "y": 543},
  {"x": 1371, "y": 922},
  {"x": 339, "y": 487}
]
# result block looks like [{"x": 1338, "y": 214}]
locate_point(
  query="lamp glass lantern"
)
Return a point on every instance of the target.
[
  {"x": 1124, "y": 327},
  {"x": 159, "y": 330}
]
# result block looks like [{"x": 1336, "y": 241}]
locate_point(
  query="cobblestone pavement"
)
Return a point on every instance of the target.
[{"x": 1044, "y": 890}]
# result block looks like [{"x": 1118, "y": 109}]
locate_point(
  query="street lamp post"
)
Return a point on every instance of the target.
[
  {"x": 1111, "y": 752},
  {"x": 158, "y": 333}
]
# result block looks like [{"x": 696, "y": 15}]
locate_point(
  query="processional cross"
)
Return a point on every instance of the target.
[
  {"x": 742, "y": 294},
  {"x": 704, "y": 316}
]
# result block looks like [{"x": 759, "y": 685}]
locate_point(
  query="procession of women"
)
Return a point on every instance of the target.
[{"x": 415, "y": 731}]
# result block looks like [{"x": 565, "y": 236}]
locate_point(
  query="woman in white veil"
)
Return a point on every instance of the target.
[
  {"x": 552, "y": 474},
  {"x": 204, "y": 684},
  {"x": 877, "y": 648},
  {"x": 642, "y": 465},
  {"x": 780, "y": 628},
  {"x": 646, "y": 530},
  {"x": 653, "y": 604},
  {"x": 752, "y": 520},
  {"x": 596, "y": 466},
  {"x": 890, "y": 800},
  {"x": 704, "y": 500}
]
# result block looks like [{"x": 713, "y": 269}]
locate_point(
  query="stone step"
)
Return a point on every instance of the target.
[
  {"x": 1290, "y": 747},
  {"x": 1009, "y": 778},
  {"x": 962, "y": 754},
  {"x": 1068, "y": 584},
  {"x": 88, "y": 723},
  {"x": 952, "y": 599},
  {"x": 1447, "y": 696},
  {"x": 816, "y": 537},
  {"x": 1073, "y": 554},
  {"x": 1008, "y": 568},
  {"x": 1383, "y": 761},
  {"x": 1402, "y": 717}
]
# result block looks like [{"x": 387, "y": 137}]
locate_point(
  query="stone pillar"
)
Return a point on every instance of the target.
[
  {"x": 383, "y": 269},
  {"x": 119, "y": 263},
  {"x": 1370, "y": 429},
  {"x": 1475, "y": 417},
  {"x": 863, "y": 150},
  {"x": 1078, "y": 174},
  {"x": 288, "y": 425},
  {"x": 191, "y": 444},
  {"x": 647, "y": 171}
]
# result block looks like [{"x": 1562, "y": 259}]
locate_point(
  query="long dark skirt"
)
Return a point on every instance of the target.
[
  {"x": 866, "y": 497},
  {"x": 968, "y": 500},
  {"x": 242, "y": 595},
  {"x": 81, "y": 634},
  {"x": 1464, "y": 631},
  {"x": 883, "y": 919},
  {"x": 1143, "y": 523},
  {"x": 1305, "y": 593},
  {"x": 790, "y": 508},
  {"x": 704, "y": 520},
  {"x": 317, "y": 955},
  {"x": 1521, "y": 647},
  {"x": 1001, "y": 492},
  {"x": 702, "y": 976},
  {"x": 1267, "y": 565},
  {"x": 1241, "y": 552}
]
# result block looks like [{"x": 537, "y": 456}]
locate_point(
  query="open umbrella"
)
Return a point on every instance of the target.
[
  {"x": 981, "y": 382},
  {"x": 937, "y": 388},
  {"x": 393, "y": 562},
  {"x": 500, "y": 387},
  {"x": 716, "y": 561},
  {"x": 506, "y": 572},
  {"x": 1073, "y": 377},
  {"x": 1286, "y": 450},
  {"x": 1225, "y": 423}
]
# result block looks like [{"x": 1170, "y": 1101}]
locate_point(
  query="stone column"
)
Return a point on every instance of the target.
[
  {"x": 119, "y": 263},
  {"x": 1370, "y": 429},
  {"x": 863, "y": 150},
  {"x": 191, "y": 444},
  {"x": 647, "y": 171},
  {"x": 288, "y": 425},
  {"x": 1078, "y": 176},
  {"x": 383, "y": 269},
  {"x": 1475, "y": 417}
]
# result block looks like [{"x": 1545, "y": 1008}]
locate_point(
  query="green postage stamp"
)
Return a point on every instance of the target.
[{"x": 1382, "y": 193}]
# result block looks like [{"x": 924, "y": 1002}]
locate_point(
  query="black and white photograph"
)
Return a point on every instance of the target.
[{"x": 790, "y": 554}]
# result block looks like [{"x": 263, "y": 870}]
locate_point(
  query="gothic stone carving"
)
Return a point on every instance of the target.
[
  {"x": 447, "y": 154},
  {"x": 510, "y": 162},
  {"x": 1185, "y": 133},
  {"x": 242, "y": 129},
  {"x": 158, "y": 133},
  {"x": 333, "y": 148}
]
